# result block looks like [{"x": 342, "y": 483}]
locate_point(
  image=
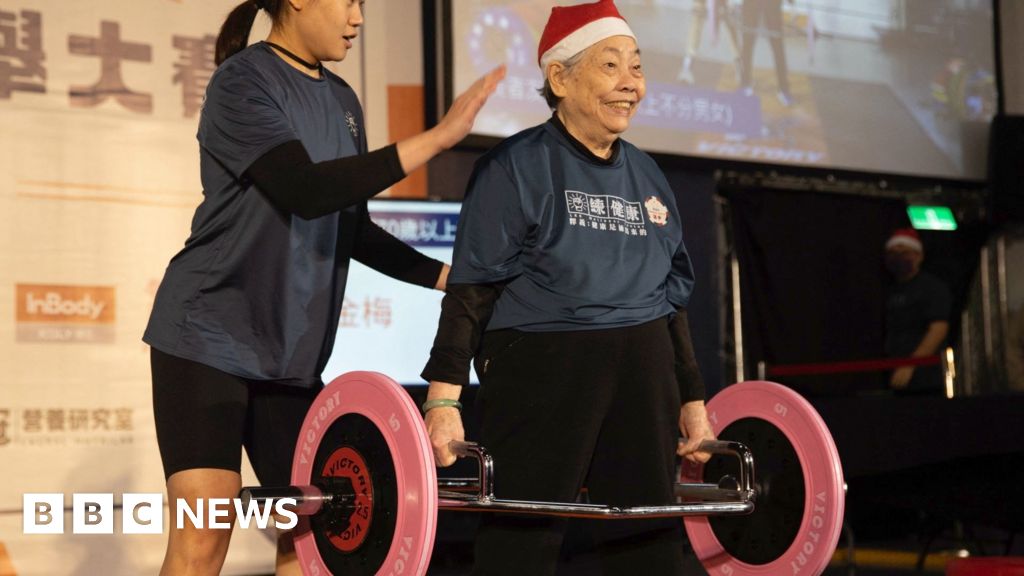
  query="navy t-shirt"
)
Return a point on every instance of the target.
[
  {"x": 910, "y": 308},
  {"x": 257, "y": 292},
  {"x": 582, "y": 244}
]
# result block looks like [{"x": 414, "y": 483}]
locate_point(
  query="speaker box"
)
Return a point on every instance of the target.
[{"x": 1006, "y": 167}]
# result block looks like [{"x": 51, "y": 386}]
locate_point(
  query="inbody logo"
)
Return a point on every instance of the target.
[
  {"x": 144, "y": 513},
  {"x": 53, "y": 304},
  {"x": 48, "y": 313}
]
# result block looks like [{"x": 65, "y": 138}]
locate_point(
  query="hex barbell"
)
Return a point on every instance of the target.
[{"x": 367, "y": 492}]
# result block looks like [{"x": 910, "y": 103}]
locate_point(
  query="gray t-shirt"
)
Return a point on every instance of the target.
[{"x": 257, "y": 292}]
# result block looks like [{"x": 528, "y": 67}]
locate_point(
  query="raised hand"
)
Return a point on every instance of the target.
[{"x": 458, "y": 122}]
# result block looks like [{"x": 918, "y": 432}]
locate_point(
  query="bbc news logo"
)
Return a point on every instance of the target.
[
  {"x": 51, "y": 313},
  {"x": 143, "y": 513}
]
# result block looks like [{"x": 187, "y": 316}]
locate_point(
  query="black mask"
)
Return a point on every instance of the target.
[{"x": 899, "y": 265}]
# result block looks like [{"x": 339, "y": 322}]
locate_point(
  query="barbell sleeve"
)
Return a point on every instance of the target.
[{"x": 308, "y": 499}]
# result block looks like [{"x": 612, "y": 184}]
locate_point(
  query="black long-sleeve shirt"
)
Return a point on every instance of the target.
[
  {"x": 466, "y": 308},
  {"x": 296, "y": 185}
]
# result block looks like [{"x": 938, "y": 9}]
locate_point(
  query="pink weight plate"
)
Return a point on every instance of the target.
[
  {"x": 801, "y": 494},
  {"x": 365, "y": 433}
]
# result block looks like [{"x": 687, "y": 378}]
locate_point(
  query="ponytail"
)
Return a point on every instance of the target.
[{"x": 234, "y": 34}]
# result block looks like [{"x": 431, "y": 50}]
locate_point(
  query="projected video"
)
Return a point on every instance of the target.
[{"x": 891, "y": 86}]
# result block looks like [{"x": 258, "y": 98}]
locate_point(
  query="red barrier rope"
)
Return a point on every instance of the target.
[{"x": 853, "y": 366}]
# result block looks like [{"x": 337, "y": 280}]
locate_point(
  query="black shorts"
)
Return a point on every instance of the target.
[{"x": 204, "y": 417}]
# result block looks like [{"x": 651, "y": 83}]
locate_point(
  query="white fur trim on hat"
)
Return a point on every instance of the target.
[
  {"x": 584, "y": 37},
  {"x": 904, "y": 240}
]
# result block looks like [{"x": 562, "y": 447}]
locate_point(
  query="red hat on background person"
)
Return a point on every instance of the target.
[
  {"x": 905, "y": 237},
  {"x": 572, "y": 29},
  {"x": 904, "y": 254}
]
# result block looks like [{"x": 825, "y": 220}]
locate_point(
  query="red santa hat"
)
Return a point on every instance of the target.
[
  {"x": 572, "y": 29},
  {"x": 905, "y": 237}
]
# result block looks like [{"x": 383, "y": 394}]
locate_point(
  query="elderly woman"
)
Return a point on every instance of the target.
[{"x": 569, "y": 288}]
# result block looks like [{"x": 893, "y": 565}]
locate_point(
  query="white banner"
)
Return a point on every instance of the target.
[{"x": 99, "y": 177}]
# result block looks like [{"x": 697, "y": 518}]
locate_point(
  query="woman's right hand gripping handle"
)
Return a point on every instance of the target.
[{"x": 444, "y": 423}]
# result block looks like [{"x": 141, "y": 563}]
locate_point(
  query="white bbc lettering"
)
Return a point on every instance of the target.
[
  {"x": 253, "y": 511},
  {"x": 183, "y": 509},
  {"x": 218, "y": 508},
  {"x": 92, "y": 513},
  {"x": 142, "y": 514},
  {"x": 43, "y": 513},
  {"x": 284, "y": 507}
]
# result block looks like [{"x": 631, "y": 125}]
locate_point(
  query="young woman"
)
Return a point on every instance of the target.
[{"x": 245, "y": 317}]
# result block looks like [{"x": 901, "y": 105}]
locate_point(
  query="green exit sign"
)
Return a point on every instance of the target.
[{"x": 931, "y": 217}]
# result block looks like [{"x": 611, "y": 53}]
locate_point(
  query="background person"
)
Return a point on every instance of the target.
[
  {"x": 721, "y": 16},
  {"x": 917, "y": 312},
  {"x": 765, "y": 15}
]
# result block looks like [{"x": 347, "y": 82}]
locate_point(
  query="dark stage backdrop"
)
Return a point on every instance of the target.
[
  {"x": 812, "y": 279},
  {"x": 695, "y": 191}
]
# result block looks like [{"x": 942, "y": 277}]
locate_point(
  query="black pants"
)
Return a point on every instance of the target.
[
  {"x": 768, "y": 12},
  {"x": 561, "y": 411},
  {"x": 204, "y": 417}
]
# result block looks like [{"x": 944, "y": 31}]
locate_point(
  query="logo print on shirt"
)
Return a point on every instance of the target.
[
  {"x": 605, "y": 212},
  {"x": 353, "y": 126},
  {"x": 656, "y": 211}
]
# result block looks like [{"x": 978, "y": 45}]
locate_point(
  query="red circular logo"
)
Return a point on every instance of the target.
[{"x": 345, "y": 462}]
